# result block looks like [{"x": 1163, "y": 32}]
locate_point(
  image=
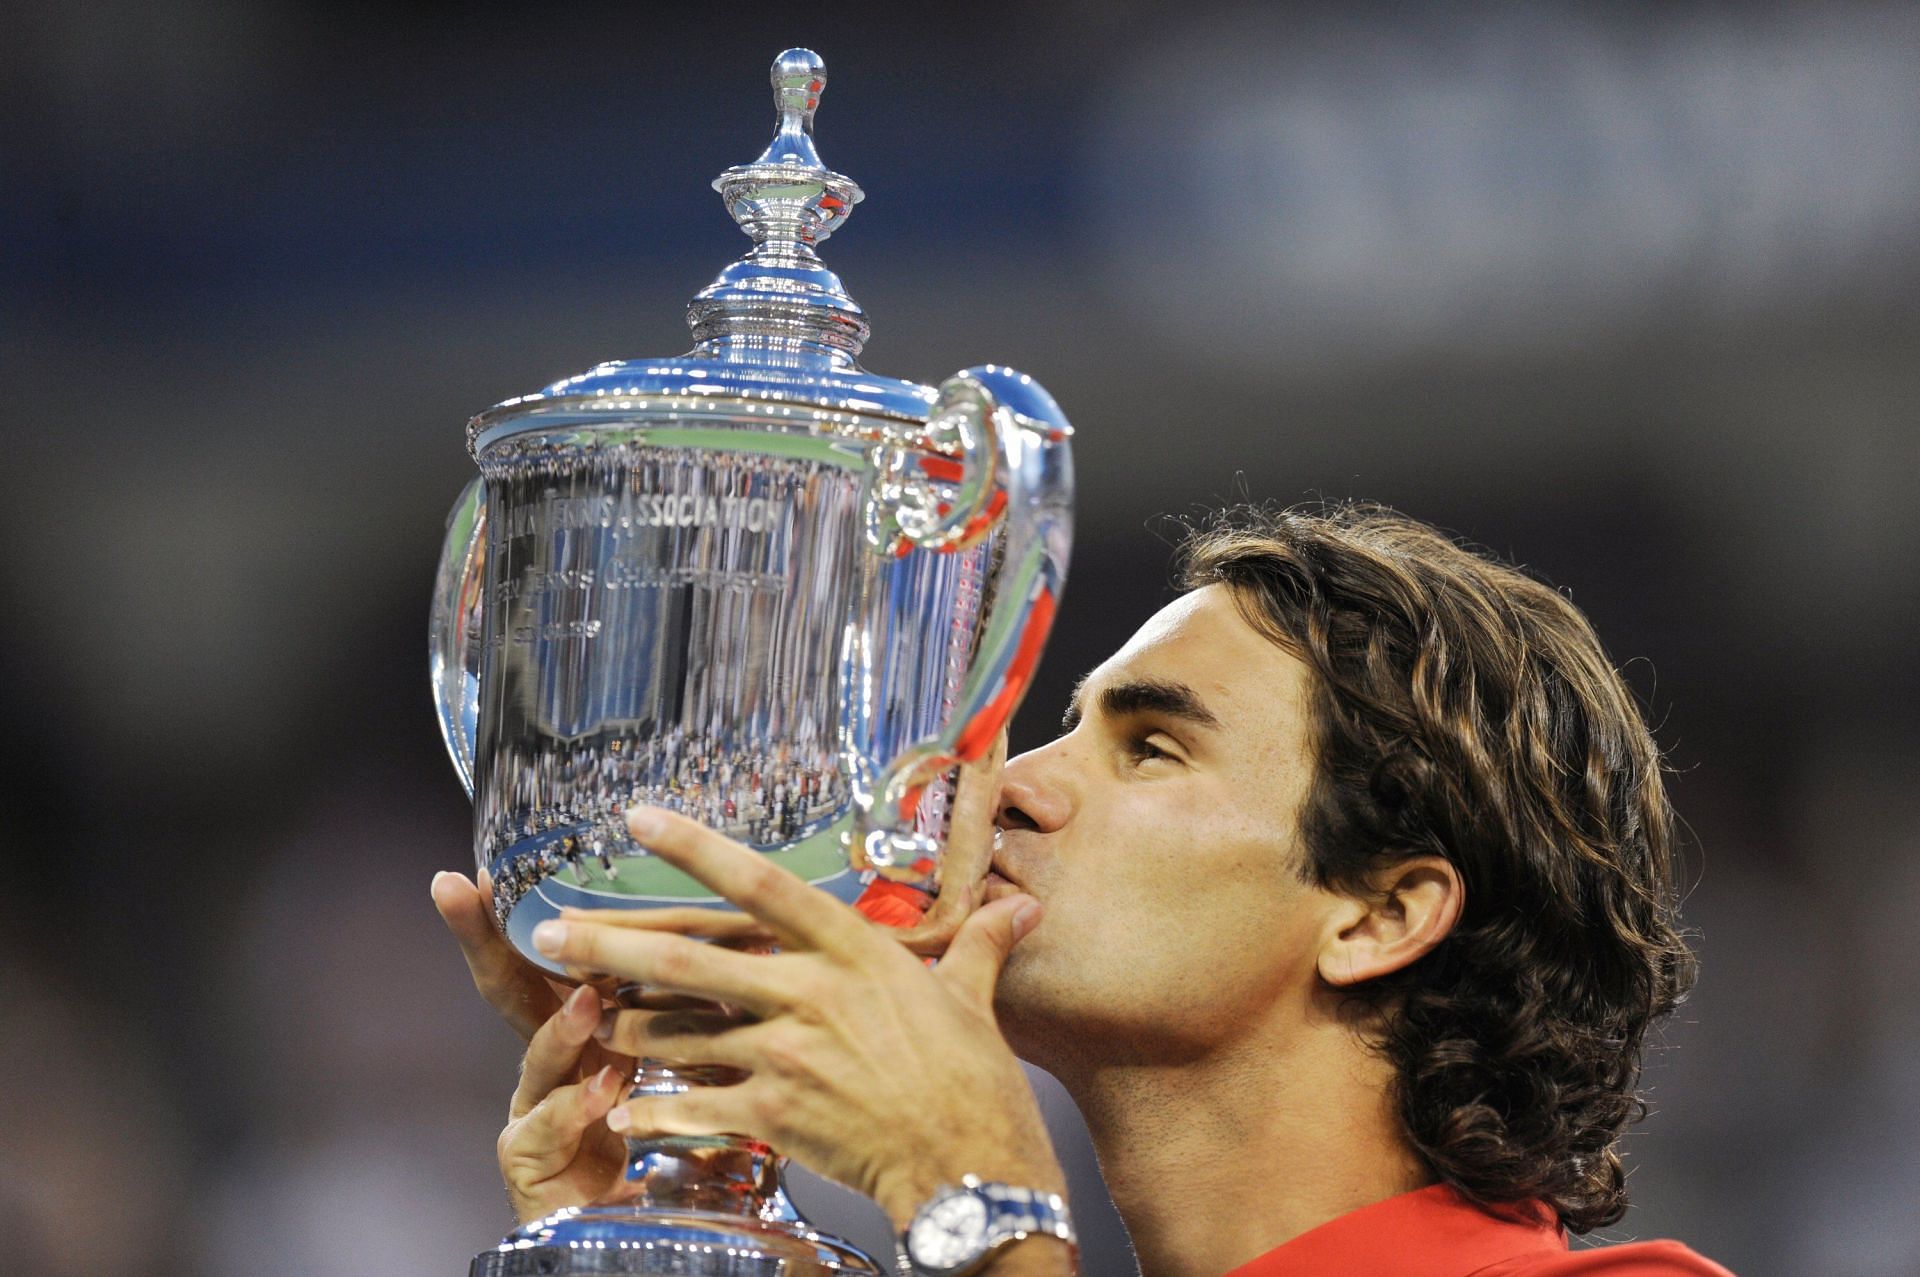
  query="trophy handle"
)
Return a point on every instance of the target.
[
  {"x": 454, "y": 628},
  {"x": 1014, "y": 471}
]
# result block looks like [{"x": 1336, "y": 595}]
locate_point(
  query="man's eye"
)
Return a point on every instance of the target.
[{"x": 1142, "y": 749}]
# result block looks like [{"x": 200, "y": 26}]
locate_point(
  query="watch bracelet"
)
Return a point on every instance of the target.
[{"x": 1014, "y": 1216}]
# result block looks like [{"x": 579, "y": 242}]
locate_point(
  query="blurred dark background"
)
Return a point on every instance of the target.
[{"x": 1625, "y": 292}]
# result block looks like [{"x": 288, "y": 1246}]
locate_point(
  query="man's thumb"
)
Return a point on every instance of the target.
[{"x": 979, "y": 949}]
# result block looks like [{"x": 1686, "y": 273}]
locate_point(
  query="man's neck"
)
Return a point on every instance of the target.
[{"x": 1215, "y": 1162}]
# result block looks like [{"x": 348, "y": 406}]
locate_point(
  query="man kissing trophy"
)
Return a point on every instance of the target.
[{"x": 758, "y": 585}]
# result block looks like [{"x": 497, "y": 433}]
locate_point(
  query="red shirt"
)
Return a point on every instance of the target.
[{"x": 1434, "y": 1232}]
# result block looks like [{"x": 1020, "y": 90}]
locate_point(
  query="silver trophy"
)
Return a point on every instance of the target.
[{"x": 755, "y": 584}]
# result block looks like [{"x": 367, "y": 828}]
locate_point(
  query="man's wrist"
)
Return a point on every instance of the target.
[
  {"x": 902, "y": 1197},
  {"x": 1036, "y": 1255},
  {"x": 976, "y": 1227}
]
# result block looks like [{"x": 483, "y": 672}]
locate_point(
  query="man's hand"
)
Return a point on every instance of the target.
[
  {"x": 526, "y": 998},
  {"x": 514, "y": 987},
  {"x": 862, "y": 1063},
  {"x": 555, "y": 1151}
]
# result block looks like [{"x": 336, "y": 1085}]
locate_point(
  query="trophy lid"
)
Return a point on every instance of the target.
[{"x": 777, "y": 324}]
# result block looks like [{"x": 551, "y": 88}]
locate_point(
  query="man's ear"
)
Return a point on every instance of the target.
[{"x": 1415, "y": 904}]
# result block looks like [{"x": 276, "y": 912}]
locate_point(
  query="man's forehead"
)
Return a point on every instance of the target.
[
  {"x": 1182, "y": 642},
  {"x": 1201, "y": 660},
  {"x": 1185, "y": 628},
  {"x": 1183, "y": 616}
]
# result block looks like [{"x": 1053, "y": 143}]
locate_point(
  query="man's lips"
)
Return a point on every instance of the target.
[
  {"x": 999, "y": 885},
  {"x": 999, "y": 882}
]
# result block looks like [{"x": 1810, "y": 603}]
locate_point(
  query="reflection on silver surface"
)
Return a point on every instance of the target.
[
  {"x": 666, "y": 630},
  {"x": 757, "y": 585},
  {"x": 1016, "y": 474},
  {"x": 664, "y": 625}
]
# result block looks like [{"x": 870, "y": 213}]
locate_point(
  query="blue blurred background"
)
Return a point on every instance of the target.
[{"x": 1625, "y": 292}]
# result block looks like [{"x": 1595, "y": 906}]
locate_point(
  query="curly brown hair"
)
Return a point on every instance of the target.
[{"x": 1466, "y": 710}]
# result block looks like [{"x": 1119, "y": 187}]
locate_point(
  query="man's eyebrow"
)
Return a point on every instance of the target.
[{"x": 1145, "y": 696}]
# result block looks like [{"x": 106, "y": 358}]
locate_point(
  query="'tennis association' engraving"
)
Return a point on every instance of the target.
[
  {"x": 553, "y": 601},
  {"x": 645, "y": 510}
]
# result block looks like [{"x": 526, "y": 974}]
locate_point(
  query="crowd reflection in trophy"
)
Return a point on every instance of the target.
[{"x": 760, "y": 797}]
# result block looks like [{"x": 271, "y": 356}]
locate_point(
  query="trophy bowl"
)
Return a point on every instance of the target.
[{"x": 758, "y": 585}]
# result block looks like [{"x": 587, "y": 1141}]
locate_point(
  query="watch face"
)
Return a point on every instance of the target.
[{"x": 949, "y": 1233}]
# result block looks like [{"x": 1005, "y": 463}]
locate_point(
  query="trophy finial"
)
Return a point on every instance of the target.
[
  {"x": 799, "y": 77},
  {"x": 769, "y": 199},
  {"x": 788, "y": 202}
]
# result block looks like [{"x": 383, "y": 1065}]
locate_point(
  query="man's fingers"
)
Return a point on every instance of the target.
[
  {"x": 666, "y": 963},
  {"x": 635, "y": 997},
  {"x": 702, "y": 1110},
  {"x": 544, "y": 1141},
  {"x": 798, "y": 915},
  {"x": 973, "y": 961},
  {"x": 969, "y": 851},
  {"x": 930, "y": 936},
  {"x": 554, "y": 1053},
  {"x": 729, "y": 925},
  {"x": 975, "y": 800},
  {"x": 706, "y": 1036},
  {"x": 511, "y": 985}
]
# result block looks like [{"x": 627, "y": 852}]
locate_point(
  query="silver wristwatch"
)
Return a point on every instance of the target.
[{"x": 959, "y": 1229}]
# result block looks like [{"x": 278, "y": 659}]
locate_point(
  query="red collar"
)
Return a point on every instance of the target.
[{"x": 1431, "y": 1232}]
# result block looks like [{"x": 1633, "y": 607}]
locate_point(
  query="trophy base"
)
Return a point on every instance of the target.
[{"x": 684, "y": 1243}]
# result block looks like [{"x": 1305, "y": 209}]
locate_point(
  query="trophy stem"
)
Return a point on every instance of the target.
[
  {"x": 688, "y": 1206},
  {"x": 724, "y": 1174}
]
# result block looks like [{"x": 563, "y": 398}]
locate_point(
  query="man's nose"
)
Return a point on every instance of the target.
[{"x": 1031, "y": 795}]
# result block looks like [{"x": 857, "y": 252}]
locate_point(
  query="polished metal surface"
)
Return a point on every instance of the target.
[
  {"x": 756, "y": 584},
  {"x": 684, "y": 1243},
  {"x": 787, "y": 202},
  {"x": 1015, "y": 474},
  {"x": 667, "y": 624}
]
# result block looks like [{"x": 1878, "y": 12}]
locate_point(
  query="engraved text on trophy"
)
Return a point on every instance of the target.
[{"x": 663, "y": 625}]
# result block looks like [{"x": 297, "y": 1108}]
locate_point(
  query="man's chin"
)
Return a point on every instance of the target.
[{"x": 1020, "y": 998}]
